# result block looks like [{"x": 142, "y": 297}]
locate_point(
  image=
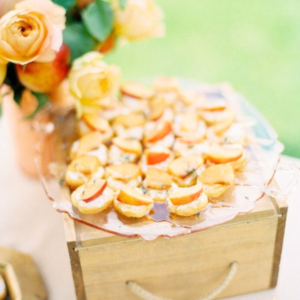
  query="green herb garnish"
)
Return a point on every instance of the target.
[
  {"x": 127, "y": 158},
  {"x": 144, "y": 190},
  {"x": 191, "y": 171}
]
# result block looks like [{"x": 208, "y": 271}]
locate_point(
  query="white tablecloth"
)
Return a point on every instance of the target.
[{"x": 28, "y": 223}]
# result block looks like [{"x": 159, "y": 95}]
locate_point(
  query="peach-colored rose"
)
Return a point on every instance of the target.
[
  {"x": 31, "y": 32},
  {"x": 140, "y": 19},
  {"x": 93, "y": 82},
  {"x": 7, "y": 5}
]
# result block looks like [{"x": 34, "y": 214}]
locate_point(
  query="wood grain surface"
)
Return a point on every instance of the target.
[{"x": 184, "y": 267}]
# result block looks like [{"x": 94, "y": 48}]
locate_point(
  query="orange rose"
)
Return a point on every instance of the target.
[{"x": 31, "y": 32}]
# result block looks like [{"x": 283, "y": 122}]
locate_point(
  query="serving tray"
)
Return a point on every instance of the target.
[{"x": 263, "y": 152}]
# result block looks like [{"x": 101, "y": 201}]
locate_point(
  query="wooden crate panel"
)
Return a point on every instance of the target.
[{"x": 185, "y": 267}]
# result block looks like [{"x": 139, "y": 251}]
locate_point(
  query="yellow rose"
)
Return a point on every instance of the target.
[
  {"x": 93, "y": 82},
  {"x": 31, "y": 32},
  {"x": 140, "y": 19}
]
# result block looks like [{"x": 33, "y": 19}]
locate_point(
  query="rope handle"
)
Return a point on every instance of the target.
[{"x": 144, "y": 294}]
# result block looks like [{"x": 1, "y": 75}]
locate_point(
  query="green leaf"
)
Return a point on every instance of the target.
[
  {"x": 122, "y": 3},
  {"x": 64, "y": 3},
  {"x": 98, "y": 19},
  {"x": 72, "y": 16},
  {"x": 18, "y": 94},
  {"x": 78, "y": 39},
  {"x": 42, "y": 101}
]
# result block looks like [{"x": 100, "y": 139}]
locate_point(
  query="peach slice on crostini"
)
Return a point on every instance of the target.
[
  {"x": 221, "y": 127},
  {"x": 156, "y": 155},
  {"x": 217, "y": 179},
  {"x": 84, "y": 129},
  {"x": 214, "y": 105},
  {"x": 221, "y": 154},
  {"x": 188, "y": 97},
  {"x": 88, "y": 142},
  {"x": 240, "y": 163},
  {"x": 123, "y": 171},
  {"x": 92, "y": 189},
  {"x": 214, "y": 117},
  {"x": 115, "y": 109},
  {"x": 192, "y": 139},
  {"x": 116, "y": 156},
  {"x": 134, "y": 119},
  {"x": 81, "y": 169},
  {"x": 189, "y": 209},
  {"x": 158, "y": 179},
  {"x": 123, "y": 174},
  {"x": 215, "y": 190},
  {"x": 97, "y": 204},
  {"x": 132, "y": 211},
  {"x": 157, "y": 107},
  {"x": 159, "y": 132},
  {"x": 185, "y": 165},
  {"x": 182, "y": 196},
  {"x": 166, "y": 84},
  {"x": 189, "y": 122},
  {"x": 96, "y": 122},
  {"x": 128, "y": 145},
  {"x": 85, "y": 164},
  {"x": 133, "y": 196},
  {"x": 183, "y": 147},
  {"x": 188, "y": 127},
  {"x": 217, "y": 174},
  {"x": 136, "y": 90}
]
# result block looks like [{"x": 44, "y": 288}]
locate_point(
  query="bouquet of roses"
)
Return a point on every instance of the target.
[{"x": 40, "y": 39}]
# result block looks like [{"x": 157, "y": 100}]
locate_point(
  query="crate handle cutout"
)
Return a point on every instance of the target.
[{"x": 144, "y": 294}]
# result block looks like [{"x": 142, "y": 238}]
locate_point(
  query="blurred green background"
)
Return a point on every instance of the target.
[{"x": 254, "y": 45}]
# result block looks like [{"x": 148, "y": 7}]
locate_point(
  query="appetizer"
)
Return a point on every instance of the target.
[
  {"x": 164, "y": 143},
  {"x": 187, "y": 201},
  {"x": 132, "y": 202}
]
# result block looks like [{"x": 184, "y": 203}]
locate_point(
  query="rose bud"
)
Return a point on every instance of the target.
[{"x": 107, "y": 45}]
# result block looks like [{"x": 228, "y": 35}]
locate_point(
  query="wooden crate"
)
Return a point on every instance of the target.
[{"x": 184, "y": 267}]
